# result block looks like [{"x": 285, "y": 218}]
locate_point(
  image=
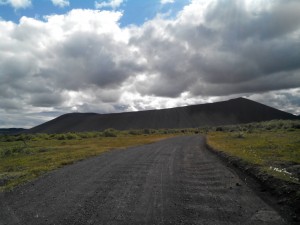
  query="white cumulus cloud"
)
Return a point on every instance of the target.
[
  {"x": 108, "y": 4},
  {"x": 166, "y": 1},
  {"x": 61, "y": 3},
  {"x": 17, "y": 4}
]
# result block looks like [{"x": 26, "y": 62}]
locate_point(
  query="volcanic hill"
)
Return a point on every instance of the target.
[{"x": 233, "y": 111}]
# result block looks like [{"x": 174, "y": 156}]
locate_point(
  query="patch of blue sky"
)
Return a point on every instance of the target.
[
  {"x": 138, "y": 12},
  {"x": 7, "y": 13},
  {"x": 134, "y": 11},
  {"x": 41, "y": 8}
]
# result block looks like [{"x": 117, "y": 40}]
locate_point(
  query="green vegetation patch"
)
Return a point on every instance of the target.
[
  {"x": 25, "y": 157},
  {"x": 272, "y": 146}
]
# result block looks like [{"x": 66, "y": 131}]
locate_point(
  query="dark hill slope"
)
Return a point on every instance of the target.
[
  {"x": 10, "y": 131},
  {"x": 234, "y": 111}
]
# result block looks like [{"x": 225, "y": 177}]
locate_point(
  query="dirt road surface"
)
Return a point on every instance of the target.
[{"x": 174, "y": 181}]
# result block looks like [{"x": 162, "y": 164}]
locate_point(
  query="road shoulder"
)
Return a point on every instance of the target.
[{"x": 278, "y": 193}]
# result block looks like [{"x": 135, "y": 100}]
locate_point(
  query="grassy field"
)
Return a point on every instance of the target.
[
  {"x": 272, "y": 146},
  {"x": 25, "y": 157}
]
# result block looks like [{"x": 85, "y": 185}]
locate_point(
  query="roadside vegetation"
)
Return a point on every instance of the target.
[
  {"x": 273, "y": 146},
  {"x": 26, "y": 156}
]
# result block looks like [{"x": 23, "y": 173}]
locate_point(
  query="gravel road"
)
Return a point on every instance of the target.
[{"x": 174, "y": 181}]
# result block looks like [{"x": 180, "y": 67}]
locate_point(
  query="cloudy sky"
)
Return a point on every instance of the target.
[{"x": 60, "y": 56}]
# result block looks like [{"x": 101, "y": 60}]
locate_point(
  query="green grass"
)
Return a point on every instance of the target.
[
  {"x": 272, "y": 146},
  {"x": 25, "y": 157}
]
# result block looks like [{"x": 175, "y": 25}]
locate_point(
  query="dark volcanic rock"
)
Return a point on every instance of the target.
[{"x": 234, "y": 111}]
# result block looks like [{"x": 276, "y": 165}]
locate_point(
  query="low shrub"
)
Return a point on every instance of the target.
[
  {"x": 8, "y": 151},
  {"x": 60, "y": 137},
  {"x": 239, "y": 135},
  {"x": 219, "y": 129},
  {"x": 135, "y": 132},
  {"x": 110, "y": 133},
  {"x": 71, "y": 136}
]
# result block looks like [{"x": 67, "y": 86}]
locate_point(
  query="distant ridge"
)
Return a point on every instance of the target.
[
  {"x": 10, "y": 131},
  {"x": 233, "y": 111}
]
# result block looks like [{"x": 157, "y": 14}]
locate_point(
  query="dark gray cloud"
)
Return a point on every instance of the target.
[
  {"x": 279, "y": 81},
  {"x": 92, "y": 59},
  {"x": 46, "y": 100},
  {"x": 9, "y": 104},
  {"x": 282, "y": 19},
  {"x": 231, "y": 46}
]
